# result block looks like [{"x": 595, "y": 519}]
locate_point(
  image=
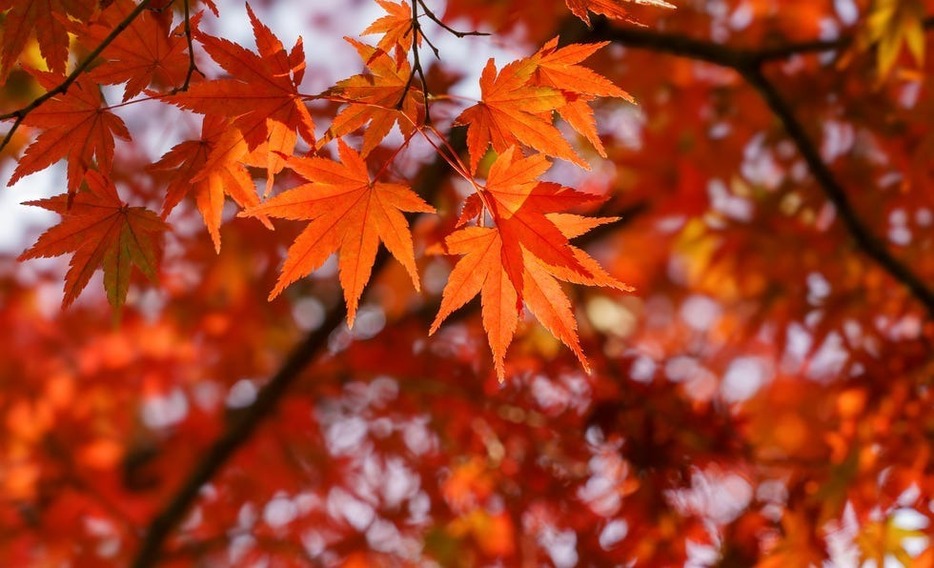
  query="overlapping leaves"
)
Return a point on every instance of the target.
[
  {"x": 255, "y": 115},
  {"x": 521, "y": 260}
]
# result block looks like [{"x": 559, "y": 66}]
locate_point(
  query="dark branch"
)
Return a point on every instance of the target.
[
  {"x": 749, "y": 63},
  {"x": 719, "y": 54},
  {"x": 239, "y": 430},
  {"x": 816, "y": 46},
  {"x": 871, "y": 245},
  {"x": 20, "y": 114}
]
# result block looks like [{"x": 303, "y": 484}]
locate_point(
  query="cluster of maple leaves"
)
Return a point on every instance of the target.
[
  {"x": 255, "y": 116},
  {"x": 764, "y": 400}
]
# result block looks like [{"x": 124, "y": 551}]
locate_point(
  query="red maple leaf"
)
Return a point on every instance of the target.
[
  {"x": 46, "y": 18},
  {"x": 75, "y": 127},
  {"x": 101, "y": 231},
  {"x": 146, "y": 53},
  {"x": 261, "y": 96},
  {"x": 190, "y": 172},
  {"x": 374, "y": 99},
  {"x": 514, "y": 110}
]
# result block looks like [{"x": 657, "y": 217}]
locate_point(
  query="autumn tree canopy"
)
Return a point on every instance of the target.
[{"x": 467, "y": 283}]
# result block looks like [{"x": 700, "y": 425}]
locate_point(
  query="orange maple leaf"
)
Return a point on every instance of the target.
[
  {"x": 101, "y": 230},
  {"x": 75, "y": 127},
  {"x": 558, "y": 68},
  {"x": 514, "y": 110},
  {"x": 147, "y": 52},
  {"x": 375, "y": 99},
  {"x": 610, "y": 8},
  {"x": 349, "y": 213},
  {"x": 482, "y": 270},
  {"x": 190, "y": 172},
  {"x": 521, "y": 260},
  {"x": 261, "y": 96},
  {"x": 518, "y": 203},
  {"x": 396, "y": 26},
  {"x": 46, "y": 18}
]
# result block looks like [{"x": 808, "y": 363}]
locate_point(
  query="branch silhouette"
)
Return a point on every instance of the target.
[{"x": 749, "y": 63}]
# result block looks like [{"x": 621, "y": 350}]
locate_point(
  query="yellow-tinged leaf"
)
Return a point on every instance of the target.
[
  {"x": 610, "y": 8},
  {"x": 890, "y": 25},
  {"x": 101, "y": 231}
]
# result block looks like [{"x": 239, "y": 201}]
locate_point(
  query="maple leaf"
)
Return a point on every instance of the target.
[
  {"x": 101, "y": 230},
  {"x": 482, "y": 270},
  {"x": 891, "y": 24},
  {"x": 375, "y": 99},
  {"x": 521, "y": 260},
  {"x": 261, "y": 96},
  {"x": 209, "y": 182},
  {"x": 518, "y": 203},
  {"x": 147, "y": 52},
  {"x": 514, "y": 110},
  {"x": 46, "y": 18},
  {"x": 610, "y": 8},
  {"x": 349, "y": 213},
  {"x": 558, "y": 68},
  {"x": 74, "y": 127},
  {"x": 396, "y": 26}
]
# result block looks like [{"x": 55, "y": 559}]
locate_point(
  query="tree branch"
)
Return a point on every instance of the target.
[
  {"x": 871, "y": 245},
  {"x": 749, "y": 63},
  {"x": 716, "y": 53},
  {"x": 20, "y": 114},
  {"x": 238, "y": 431}
]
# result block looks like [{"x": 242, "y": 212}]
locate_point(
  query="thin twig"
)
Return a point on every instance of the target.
[
  {"x": 431, "y": 15},
  {"x": 192, "y": 66},
  {"x": 20, "y": 114},
  {"x": 416, "y": 66}
]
